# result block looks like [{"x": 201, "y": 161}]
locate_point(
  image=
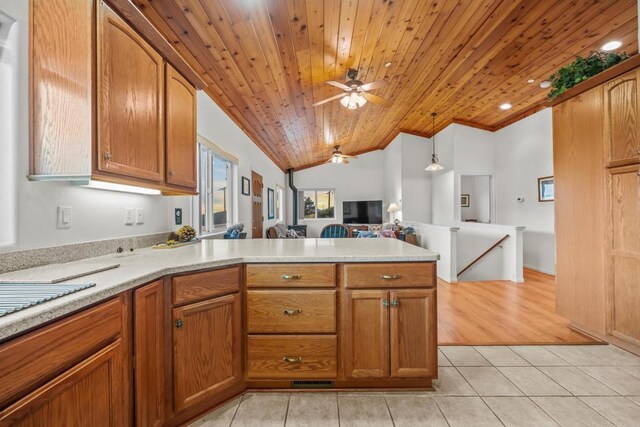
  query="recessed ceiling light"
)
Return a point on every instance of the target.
[
  {"x": 388, "y": 64},
  {"x": 612, "y": 45},
  {"x": 505, "y": 106},
  {"x": 530, "y": 81},
  {"x": 545, "y": 84}
]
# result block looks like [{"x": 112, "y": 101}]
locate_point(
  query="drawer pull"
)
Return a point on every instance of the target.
[
  {"x": 289, "y": 359},
  {"x": 291, "y": 312},
  {"x": 291, "y": 276},
  {"x": 390, "y": 276}
]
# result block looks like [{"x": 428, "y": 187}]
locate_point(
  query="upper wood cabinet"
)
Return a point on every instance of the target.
[
  {"x": 181, "y": 135},
  {"x": 130, "y": 101},
  {"x": 98, "y": 94},
  {"x": 622, "y": 119},
  {"x": 207, "y": 350}
]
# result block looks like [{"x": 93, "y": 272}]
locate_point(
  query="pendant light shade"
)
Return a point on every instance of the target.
[{"x": 435, "y": 165}]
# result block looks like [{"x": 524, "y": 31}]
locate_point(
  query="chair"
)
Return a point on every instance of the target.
[{"x": 334, "y": 231}]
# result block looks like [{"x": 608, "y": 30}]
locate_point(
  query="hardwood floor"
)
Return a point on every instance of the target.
[{"x": 502, "y": 312}]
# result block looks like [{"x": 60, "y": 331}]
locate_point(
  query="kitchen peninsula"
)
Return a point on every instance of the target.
[{"x": 170, "y": 334}]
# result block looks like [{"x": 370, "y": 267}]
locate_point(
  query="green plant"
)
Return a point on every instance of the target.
[{"x": 581, "y": 69}]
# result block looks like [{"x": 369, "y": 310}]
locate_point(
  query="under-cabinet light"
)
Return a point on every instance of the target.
[{"x": 110, "y": 186}]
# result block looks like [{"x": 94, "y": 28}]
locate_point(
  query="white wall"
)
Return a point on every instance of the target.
[
  {"x": 217, "y": 127},
  {"x": 97, "y": 214},
  {"x": 416, "y": 182},
  {"x": 523, "y": 153},
  {"x": 478, "y": 187},
  {"x": 392, "y": 173},
  {"x": 361, "y": 179}
]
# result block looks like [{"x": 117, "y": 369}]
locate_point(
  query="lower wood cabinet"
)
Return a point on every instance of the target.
[
  {"x": 148, "y": 339},
  {"x": 89, "y": 394},
  {"x": 390, "y": 334},
  {"x": 207, "y": 350}
]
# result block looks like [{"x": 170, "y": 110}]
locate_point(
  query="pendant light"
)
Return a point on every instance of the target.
[{"x": 434, "y": 166}]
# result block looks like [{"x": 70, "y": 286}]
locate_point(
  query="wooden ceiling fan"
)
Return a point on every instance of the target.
[
  {"x": 356, "y": 93},
  {"x": 338, "y": 157}
]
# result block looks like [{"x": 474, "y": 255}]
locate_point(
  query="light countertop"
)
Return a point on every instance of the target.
[{"x": 149, "y": 264}]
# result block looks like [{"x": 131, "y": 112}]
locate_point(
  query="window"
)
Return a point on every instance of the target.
[
  {"x": 215, "y": 189},
  {"x": 317, "y": 204}
]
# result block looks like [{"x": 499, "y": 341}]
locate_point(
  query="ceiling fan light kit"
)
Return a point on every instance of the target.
[
  {"x": 356, "y": 93},
  {"x": 337, "y": 157}
]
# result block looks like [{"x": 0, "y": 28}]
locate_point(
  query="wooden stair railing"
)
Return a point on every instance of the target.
[{"x": 506, "y": 236}]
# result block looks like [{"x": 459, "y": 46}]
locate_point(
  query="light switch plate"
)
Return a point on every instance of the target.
[
  {"x": 64, "y": 217},
  {"x": 129, "y": 216},
  {"x": 140, "y": 216},
  {"x": 178, "y": 216}
]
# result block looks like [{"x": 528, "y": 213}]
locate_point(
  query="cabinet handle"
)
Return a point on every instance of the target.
[
  {"x": 390, "y": 276},
  {"x": 291, "y": 277},
  {"x": 290, "y": 359},
  {"x": 179, "y": 324},
  {"x": 385, "y": 303},
  {"x": 394, "y": 303},
  {"x": 291, "y": 312},
  {"x": 108, "y": 156}
]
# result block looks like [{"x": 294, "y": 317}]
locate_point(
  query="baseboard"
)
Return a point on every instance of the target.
[{"x": 541, "y": 270}]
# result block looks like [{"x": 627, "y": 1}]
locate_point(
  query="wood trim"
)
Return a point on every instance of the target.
[
  {"x": 520, "y": 115},
  {"x": 597, "y": 80},
  {"x": 471, "y": 124},
  {"x": 139, "y": 21}
]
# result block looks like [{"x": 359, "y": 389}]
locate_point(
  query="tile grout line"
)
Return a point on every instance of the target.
[
  {"x": 492, "y": 411},
  {"x": 338, "y": 407},
  {"x": 286, "y": 413},
  {"x": 236, "y": 411},
  {"x": 442, "y": 412},
  {"x": 595, "y": 410},
  {"x": 393, "y": 422}
]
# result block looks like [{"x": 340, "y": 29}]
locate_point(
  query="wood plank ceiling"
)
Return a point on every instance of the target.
[{"x": 266, "y": 61}]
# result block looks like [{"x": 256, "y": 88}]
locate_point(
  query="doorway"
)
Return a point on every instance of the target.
[
  {"x": 476, "y": 199},
  {"x": 257, "y": 217}
]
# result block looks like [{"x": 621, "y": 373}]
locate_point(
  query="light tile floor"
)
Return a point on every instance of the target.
[{"x": 578, "y": 385}]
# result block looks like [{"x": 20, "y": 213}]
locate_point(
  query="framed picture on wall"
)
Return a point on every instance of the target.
[
  {"x": 546, "y": 189},
  {"x": 246, "y": 186},
  {"x": 465, "y": 200},
  {"x": 271, "y": 205}
]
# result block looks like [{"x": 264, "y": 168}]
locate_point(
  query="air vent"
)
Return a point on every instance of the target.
[{"x": 313, "y": 384}]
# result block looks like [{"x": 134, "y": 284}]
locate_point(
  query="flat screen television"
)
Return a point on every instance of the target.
[{"x": 362, "y": 212}]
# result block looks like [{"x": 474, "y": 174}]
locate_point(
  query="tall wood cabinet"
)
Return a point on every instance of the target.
[{"x": 597, "y": 179}]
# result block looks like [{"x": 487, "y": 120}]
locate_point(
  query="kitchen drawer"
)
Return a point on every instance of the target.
[
  {"x": 299, "y": 311},
  {"x": 389, "y": 275},
  {"x": 205, "y": 285},
  {"x": 31, "y": 360},
  {"x": 291, "y": 275},
  {"x": 292, "y": 357}
]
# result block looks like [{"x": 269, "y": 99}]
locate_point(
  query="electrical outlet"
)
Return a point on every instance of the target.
[
  {"x": 64, "y": 217},
  {"x": 140, "y": 216},
  {"x": 129, "y": 216}
]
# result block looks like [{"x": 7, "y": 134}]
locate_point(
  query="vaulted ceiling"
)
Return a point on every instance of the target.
[{"x": 266, "y": 61}]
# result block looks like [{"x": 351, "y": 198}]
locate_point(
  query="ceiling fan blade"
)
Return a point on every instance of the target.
[
  {"x": 374, "y": 85},
  {"x": 345, "y": 161},
  {"x": 350, "y": 157},
  {"x": 333, "y": 98},
  {"x": 339, "y": 85},
  {"x": 376, "y": 99}
]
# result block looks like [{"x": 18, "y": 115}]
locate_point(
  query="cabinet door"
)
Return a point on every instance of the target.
[
  {"x": 181, "y": 130},
  {"x": 366, "y": 334},
  {"x": 130, "y": 102},
  {"x": 207, "y": 351},
  {"x": 91, "y": 393},
  {"x": 414, "y": 347},
  {"x": 622, "y": 109},
  {"x": 624, "y": 292},
  {"x": 149, "y": 350}
]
